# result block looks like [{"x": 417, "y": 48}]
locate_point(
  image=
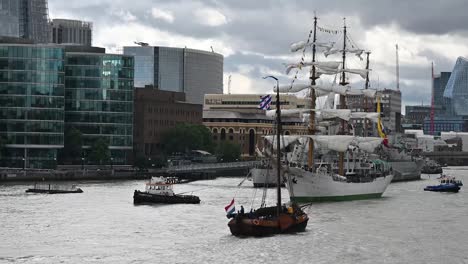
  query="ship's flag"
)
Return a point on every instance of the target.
[
  {"x": 380, "y": 127},
  {"x": 265, "y": 102},
  {"x": 230, "y": 208}
]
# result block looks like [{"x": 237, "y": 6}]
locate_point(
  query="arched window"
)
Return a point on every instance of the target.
[{"x": 223, "y": 134}]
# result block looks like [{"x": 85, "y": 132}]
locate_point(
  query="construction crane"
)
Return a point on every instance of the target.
[{"x": 397, "y": 69}]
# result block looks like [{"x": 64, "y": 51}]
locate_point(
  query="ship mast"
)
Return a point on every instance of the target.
[
  {"x": 342, "y": 98},
  {"x": 366, "y": 109},
  {"x": 313, "y": 77},
  {"x": 278, "y": 149}
]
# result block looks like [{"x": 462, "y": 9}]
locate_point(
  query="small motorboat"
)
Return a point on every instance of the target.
[
  {"x": 53, "y": 189},
  {"x": 159, "y": 190},
  {"x": 446, "y": 187}
]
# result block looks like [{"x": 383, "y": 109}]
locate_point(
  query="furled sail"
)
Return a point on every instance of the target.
[
  {"x": 344, "y": 114},
  {"x": 338, "y": 143},
  {"x": 367, "y": 144},
  {"x": 288, "y": 112},
  {"x": 361, "y": 72},
  {"x": 358, "y": 52},
  {"x": 345, "y": 90},
  {"x": 373, "y": 116},
  {"x": 295, "y": 88},
  {"x": 326, "y": 66},
  {"x": 302, "y": 44},
  {"x": 341, "y": 143}
]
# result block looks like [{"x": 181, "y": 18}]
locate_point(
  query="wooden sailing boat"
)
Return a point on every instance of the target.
[{"x": 277, "y": 219}]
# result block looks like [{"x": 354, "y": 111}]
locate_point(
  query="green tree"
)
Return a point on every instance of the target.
[
  {"x": 227, "y": 151},
  {"x": 186, "y": 137},
  {"x": 73, "y": 144},
  {"x": 99, "y": 152}
]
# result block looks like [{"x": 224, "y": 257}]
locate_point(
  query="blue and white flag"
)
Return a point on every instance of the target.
[{"x": 265, "y": 102}]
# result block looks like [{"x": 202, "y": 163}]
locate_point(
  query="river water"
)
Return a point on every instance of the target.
[{"x": 102, "y": 225}]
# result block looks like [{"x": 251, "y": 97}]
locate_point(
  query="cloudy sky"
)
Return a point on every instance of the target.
[{"x": 254, "y": 36}]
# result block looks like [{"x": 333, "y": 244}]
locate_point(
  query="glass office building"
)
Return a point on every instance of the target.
[
  {"x": 31, "y": 104},
  {"x": 144, "y": 64},
  {"x": 9, "y": 18},
  {"x": 194, "y": 72},
  {"x": 456, "y": 91},
  {"x": 99, "y": 100}
]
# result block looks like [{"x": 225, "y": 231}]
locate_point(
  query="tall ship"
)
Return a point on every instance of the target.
[{"x": 331, "y": 163}]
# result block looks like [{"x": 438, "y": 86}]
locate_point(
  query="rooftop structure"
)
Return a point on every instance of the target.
[
  {"x": 250, "y": 102},
  {"x": 71, "y": 32}
]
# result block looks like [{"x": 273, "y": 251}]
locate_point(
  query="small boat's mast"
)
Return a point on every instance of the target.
[
  {"x": 313, "y": 77},
  {"x": 366, "y": 109},
  {"x": 342, "y": 98},
  {"x": 278, "y": 149}
]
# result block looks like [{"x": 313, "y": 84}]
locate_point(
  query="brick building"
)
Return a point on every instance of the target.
[{"x": 157, "y": 111}]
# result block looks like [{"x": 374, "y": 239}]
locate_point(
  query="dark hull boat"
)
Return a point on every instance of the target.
[
  {"x": 432, "y": 170},
  {"x": 144, "y": 198},
  {"x": 443, "y": 188},
  {"x": 53, "y": 189},
  {"x": 265, "y": 222}
]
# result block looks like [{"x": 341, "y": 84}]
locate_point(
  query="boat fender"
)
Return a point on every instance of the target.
[{"x": 256, "y": 222}]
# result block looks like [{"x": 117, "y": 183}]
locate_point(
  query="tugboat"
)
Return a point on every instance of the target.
[
  {"x": 53, "y": 189},
  {"x": 447, "y": 184},
  {"x": 159, "y": 190}
]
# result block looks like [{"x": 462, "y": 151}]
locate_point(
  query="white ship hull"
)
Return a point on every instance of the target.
[
  {"x": 316, "y": 187},
  {"x": 264, "y": 177}
]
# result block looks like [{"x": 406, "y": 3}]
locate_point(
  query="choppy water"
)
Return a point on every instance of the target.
[{"x": 102, "y": 225}]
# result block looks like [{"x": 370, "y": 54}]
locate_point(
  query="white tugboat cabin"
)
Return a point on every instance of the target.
[{"x": 159, "y": 186}]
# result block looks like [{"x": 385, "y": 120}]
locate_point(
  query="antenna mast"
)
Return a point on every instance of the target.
[
  {"x": 397, "y": 69},
  {"x": 229, "y": 84},
  {"x": 431, "y": 131}
]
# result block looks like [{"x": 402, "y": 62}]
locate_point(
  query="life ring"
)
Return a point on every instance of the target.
[{"x": 256, "y": 222}]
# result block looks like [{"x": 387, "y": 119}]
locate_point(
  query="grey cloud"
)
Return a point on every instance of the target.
[{"x": 268, "y": 27}]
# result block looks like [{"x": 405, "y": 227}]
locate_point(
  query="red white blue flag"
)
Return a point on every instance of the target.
[
  {"x": 265, "y": 102},
  {"x": 230, "y": 208}
]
